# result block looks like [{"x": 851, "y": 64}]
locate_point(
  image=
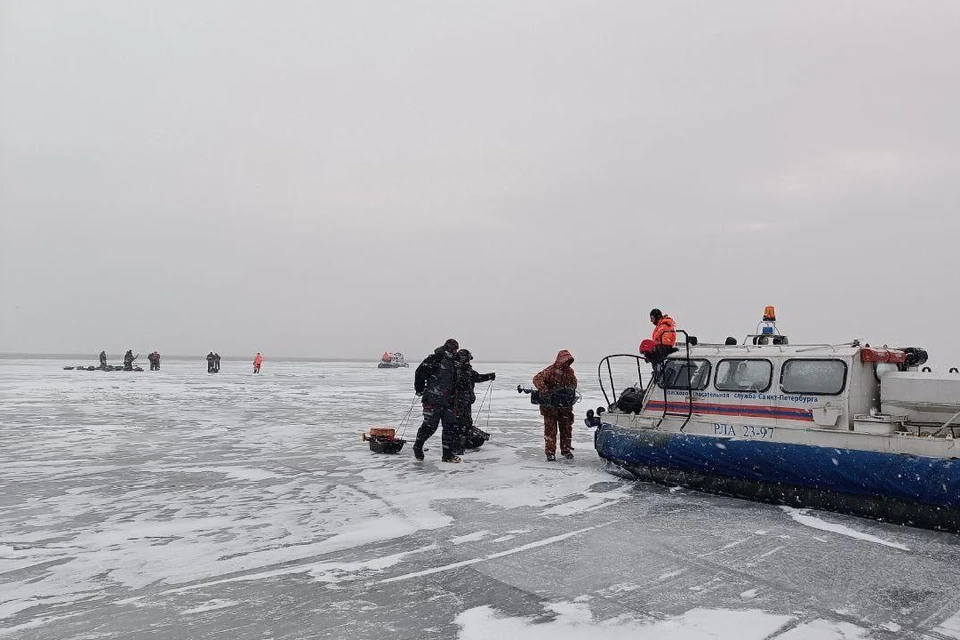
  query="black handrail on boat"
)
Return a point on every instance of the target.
[
  {"x": 639, "y": 359},
  {"x": 689, "y": 413},
  {"x": 613, "y": 388}
]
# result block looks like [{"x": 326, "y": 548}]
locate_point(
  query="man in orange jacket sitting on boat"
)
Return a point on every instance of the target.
[{"x": 664, "y": 339}]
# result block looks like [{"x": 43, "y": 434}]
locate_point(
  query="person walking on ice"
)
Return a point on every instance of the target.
[
  {"x": 435, "y": 382},
  {"x": 559, "y": 375},
  {"x": 257, "y": 361}
]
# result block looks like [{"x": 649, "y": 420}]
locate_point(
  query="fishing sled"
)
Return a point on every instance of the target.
[
  {"x": 475, "y": 438},
  {"x": 109, "y": 367},
  {"x": 384, "y": 440}
]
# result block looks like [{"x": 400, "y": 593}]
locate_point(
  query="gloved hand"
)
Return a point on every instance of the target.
[
  {"x": 493, "y": 376},
  {"x": 419, "y": 393}
]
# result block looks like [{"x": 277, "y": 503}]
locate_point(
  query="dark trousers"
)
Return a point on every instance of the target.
[
  {"x": 557, "y": 420},
  {"x": 256, "y": 368},
  {"x": 434, "y": 416},
  {"x": 464, "y": 425}
]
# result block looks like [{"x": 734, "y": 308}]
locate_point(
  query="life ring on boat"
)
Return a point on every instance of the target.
[{"x": 954, "y": 370}]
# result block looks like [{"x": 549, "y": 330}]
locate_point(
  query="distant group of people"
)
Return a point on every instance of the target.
[
  {"x": 213, "y": 362},
  {"x": 445, "y": 382},
  {"x": 128, "y": 360}
]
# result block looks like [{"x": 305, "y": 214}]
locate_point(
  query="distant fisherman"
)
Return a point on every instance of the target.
[
  {"x": 435, "y": 382},
  {"x": 557, "y": 376},
  {"x": 154, "y": 359},
  {"x": 210, "y": 360},
  {"x": 128, "y": 359},
  {"x": 216, "y": 363},
  {"x": 257, "y": 361},
  {"x": 103, "y": 359}
]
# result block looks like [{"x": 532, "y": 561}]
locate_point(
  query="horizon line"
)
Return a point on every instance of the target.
[{"x": 15, "y": 355}]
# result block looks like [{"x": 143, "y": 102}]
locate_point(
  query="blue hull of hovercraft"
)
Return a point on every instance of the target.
[{"x": 902, "y": 488}]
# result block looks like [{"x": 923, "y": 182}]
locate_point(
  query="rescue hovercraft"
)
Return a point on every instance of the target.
[
  {"x": 392, "y": 361},
  {"x": 843, "y": 427}
]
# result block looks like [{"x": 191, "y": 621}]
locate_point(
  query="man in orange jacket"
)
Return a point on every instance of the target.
[
  {"x": 664, "y": 329},
  {"x": 257, "y": 361},
  {"x": 664, "y": 339}
]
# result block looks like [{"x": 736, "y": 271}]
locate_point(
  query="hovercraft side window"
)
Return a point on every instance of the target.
[
  {"x": 677, "y": 372},
  {"x": 744, "y": 375},
  {"x": 814, "y": 377}
]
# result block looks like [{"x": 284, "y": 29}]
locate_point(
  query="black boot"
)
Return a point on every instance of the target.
[{"x": 418, "y": 451}]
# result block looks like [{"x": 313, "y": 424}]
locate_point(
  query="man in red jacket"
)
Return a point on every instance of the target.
[{"x": 557, "y": 376}]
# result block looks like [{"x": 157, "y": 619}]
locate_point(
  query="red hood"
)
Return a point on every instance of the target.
[{"x": 564, "y": 358}]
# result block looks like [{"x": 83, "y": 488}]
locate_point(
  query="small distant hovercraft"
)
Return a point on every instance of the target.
[
  {"x": 384, "y": 440},
  {"x": 392, "y": 361}
]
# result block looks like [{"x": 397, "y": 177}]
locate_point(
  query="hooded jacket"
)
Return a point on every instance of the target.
[
  {"x": 665, "y": 333},
  {"x": 436, "y": 378},
  {"x": 467, "y": 379},
  {"x": 559, "y": 375}
]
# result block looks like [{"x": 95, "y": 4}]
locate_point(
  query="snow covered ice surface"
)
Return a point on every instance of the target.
[{"x": 177, "y": 504}]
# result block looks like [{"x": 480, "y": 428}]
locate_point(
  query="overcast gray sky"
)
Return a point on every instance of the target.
[{"x": 340, "y": 178}]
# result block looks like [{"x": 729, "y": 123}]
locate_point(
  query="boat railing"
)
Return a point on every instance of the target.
[
  {"x": 613, "y": 388},
  {"x": 688, "y": 366},
  {"x": 797, "y": 348}
]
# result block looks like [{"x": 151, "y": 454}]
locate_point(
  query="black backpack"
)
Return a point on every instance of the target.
[{"x": 631, "y": 400}]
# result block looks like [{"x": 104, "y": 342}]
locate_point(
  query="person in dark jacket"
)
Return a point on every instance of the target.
[
  {"x": 216, "y": 363},
  {"x": 103, "y": 359},
  {"x": 154, "y": 359},
  {"x": 128, "y": 359},
  {"x": 210, "y": 360},
  {"x": 559, "y": 375},
  {"x": 435, "y": 381},
  {"x": 466, "y": 395}
]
